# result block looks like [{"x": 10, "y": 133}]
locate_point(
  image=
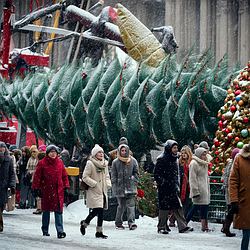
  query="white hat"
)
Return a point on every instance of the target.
[{"x": 96, "y": 149}]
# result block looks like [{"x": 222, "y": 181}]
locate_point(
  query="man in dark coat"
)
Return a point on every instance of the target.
[
  {"x": 7, "y": 179},
  {"x": 168, "y": 182},
  {"x": 49, "y": 182}
]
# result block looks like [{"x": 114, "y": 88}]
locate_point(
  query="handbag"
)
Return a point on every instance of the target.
[
  {"x": 10, "y": 205},
  {"x": 82, "y": 185}
]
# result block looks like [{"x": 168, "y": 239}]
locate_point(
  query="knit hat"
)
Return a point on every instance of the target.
[
  {"x": 96, "y": 149},
  {"x": 204, "y": 144},
  {"x": 50, "y": 148},
  {"x": 65, "y": 152},
  {"x": 199, "y": 151},
  {"x": 12, "y": 147},
  {"x": 123, "y": 140},
  {"x": 42, "y": 148},
  {"x": 235, "y": 152},
  {"x": 33, "y": 148}
]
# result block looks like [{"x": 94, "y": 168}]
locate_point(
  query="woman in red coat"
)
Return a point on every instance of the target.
[{"x": 49, "y": 182}]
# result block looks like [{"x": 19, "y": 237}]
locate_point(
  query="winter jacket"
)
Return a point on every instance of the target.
[
  {"x": 198, "y": 181},
  {"x": 124, "y": 177},
  {"x": 22, "y": 162},
  {"x": 7, "y": 175},
  {"x": 225, "y": 177},
  {"x": 167, "y": 176},
  {"x": 239, "y": 188},
  {"x": 51, "y": 177},
  {"x": 96, "y": 176}
]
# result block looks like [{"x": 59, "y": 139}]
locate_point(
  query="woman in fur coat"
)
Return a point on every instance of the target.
[
  {"x": 199, "y": 186},
  {"x": 96, "y": 176}
]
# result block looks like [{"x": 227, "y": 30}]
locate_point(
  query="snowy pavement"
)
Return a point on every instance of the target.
[{"x": 22, "y": 231}]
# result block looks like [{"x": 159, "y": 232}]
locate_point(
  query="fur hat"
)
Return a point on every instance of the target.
[
  {"x": 235, "y": 152},
  {"x": 199, "y": 151},
  {"x": 42, "y": 148},
  {"x": 26, "y": 149},
  {"x": 96, "y": 149},
  {"x": 204, "y": 144},
  {"x": 51, "y": 147},
  {"x": 33, "y": 148},
  {"x": 123, "y": 140}
]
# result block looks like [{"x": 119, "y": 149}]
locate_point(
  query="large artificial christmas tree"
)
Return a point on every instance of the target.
[{"x": 234, "y": 124}]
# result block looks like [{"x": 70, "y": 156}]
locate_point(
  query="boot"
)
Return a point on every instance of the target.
[
  {"x": 1, "y": 221},
  {"x": 226, "y": 228},
  {"x": 204, "y": 226},
  {"x": 99, "y": 233},
  {"x": 83, "y": 227}
]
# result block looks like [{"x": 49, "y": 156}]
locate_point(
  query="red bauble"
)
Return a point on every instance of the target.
[
  {"x": 230, "y": 137},
  {"x": 216, "y": 142},
  {"x": 233, "y": 108},
  {"x": 236, "y": 138},
  {"x": 216, "y": 153},
  {"x": 214, "y": 181},
  {"x": 237, "y": 92},
  {"x": 227, "y": 130},
  {"x": 222, "y": 180},
  {"x": 245, "y": 119}
]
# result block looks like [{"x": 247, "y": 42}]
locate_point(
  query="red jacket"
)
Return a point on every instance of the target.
[{"x": 51, "y": 177}]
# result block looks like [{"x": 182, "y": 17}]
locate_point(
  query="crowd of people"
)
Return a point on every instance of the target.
[{"x": 39, "y": 177}]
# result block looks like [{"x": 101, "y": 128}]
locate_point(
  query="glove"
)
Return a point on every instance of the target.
[
  {"x": 37, "y": 193},
  {"x": 235, "y": 207},
  {"x": 12, "y": 190},
  {"x": 66, "y": 192}
]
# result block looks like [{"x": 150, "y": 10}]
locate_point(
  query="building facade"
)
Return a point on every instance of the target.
[{"x": 224, "y": 24}]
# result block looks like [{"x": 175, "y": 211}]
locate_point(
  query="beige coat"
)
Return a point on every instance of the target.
[
  {"x": 31, "y": 166},
  {"x": 239, "y": 188},
  {"x": 98, "y": 182},
  {"x": 198, "y": 181}
]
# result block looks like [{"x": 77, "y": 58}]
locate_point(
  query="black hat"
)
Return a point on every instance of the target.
[{"x": 51, "y": 147}]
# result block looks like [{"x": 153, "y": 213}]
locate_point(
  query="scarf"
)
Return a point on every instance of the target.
[
  {"x": 125, "y": 159},
  {"x": 51, "y": 161},
  {"x": 100, "y": 165},
  {"x": 185, "y": 182}
]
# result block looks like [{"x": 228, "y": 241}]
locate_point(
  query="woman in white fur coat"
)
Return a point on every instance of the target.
[
  {"x": 96, "y": 176},
  {"x": 199, "y": 186}
]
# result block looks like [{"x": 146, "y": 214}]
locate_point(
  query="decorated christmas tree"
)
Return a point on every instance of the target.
[
  {"x": 147, "y": 198},
  {"x": 234, "y": 124}
]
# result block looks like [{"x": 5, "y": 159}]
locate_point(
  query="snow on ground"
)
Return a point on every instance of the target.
[{"x": 22, "y": 231}]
